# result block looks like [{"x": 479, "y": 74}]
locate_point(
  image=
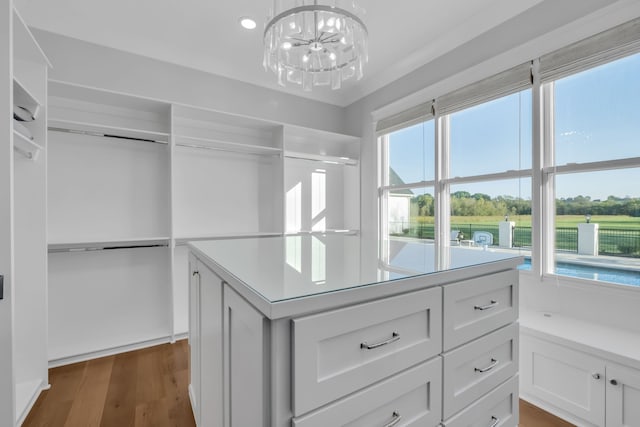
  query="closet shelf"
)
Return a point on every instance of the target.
[
  {"x": 96, "y": 129},
  {"x": 214, "y": 144},
  {"x": 24, "y": 97},
  {"x": 335, "y": 160},
  {"x": 92, "y": 245},
  {"x": 25, "y": 45},
  {"x": 26, "y": 146},
  {"x": 216, "y": 236},
  {"x": 330, "y": 231}
]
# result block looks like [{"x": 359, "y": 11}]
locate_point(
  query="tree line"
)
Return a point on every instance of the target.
[{"x": 464, "y": 203}]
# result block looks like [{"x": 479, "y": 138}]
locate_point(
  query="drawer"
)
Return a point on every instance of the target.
[
  {"x": 411, "y": 398},
  {"x": 477, "y": 306},
  {"x": 498, "y": 408},
  {"x": 476, "y": 368},
  {"x": 341, "y": 351}
]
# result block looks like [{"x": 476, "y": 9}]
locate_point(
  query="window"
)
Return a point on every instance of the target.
[
  {"x": 490, "y": 160},
  {"x": 492, "y": 137},
  {"x": 587, "y": 221},
  {"x": 411, "y": 154},
  {"x": 595, "y": 142}
]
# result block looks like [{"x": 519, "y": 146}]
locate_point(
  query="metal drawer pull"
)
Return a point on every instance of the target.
[
  {"x": 396, "y": 419},
  {"x": 494, "y": 362},
  {"x": 394, "y": 337},
  {"x": 495, "y": 420},
  {"x": 486, "y": 307}
]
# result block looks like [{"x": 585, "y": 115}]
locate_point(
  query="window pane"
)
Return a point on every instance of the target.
[
  {"x": 596, "y": 113},
  {"x": 606, "y": 248},
  {"x": 411, "y": 154},
  {"x": 492, "y": 137},
  {"x": 410, "y": 213},
  {"x": 479, "y": 212}
]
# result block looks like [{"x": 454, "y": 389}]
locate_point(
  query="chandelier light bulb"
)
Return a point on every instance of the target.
[
  {"x": 247, "y": 23},
  {"x": 315, "y": 43}
]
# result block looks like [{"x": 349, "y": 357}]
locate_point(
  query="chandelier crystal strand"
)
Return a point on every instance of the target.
[{"x": 315, "y": 43}]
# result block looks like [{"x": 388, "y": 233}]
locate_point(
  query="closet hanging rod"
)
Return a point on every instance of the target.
[
  {"x": 104, "y": 135},
  {"x": 206, "y": 147},
  {"x": 329, "y": 161},
  {"x": 104, "y": 248}
]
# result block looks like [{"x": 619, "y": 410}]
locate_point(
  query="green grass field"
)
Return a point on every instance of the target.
[
  {"x": 619, "y": 234},
  {"x": 619, "y": 222}
]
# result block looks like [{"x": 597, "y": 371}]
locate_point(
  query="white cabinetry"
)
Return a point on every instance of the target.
[
  {"x": 623, "y": 396},
  {"x": 109, "y": 223},
  {"x": 23, "y": 259},
  {"x": 378, "y": 362},
  {"x": 321, "y": 181},
  {"x": 580, "y": 383},
  {"x": 131, "y": 180}
]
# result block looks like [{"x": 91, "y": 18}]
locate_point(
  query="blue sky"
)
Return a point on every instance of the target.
[{"x": 597, "y": 118}]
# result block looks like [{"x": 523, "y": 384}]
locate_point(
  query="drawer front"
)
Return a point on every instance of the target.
[
  {"x": 477, "y": 306},
  {"x": 476, "y": 368},
  {"x": 499, "y": 408},
  {"x": 411, "y": 398},
  {"x": 338, "y": 352}
]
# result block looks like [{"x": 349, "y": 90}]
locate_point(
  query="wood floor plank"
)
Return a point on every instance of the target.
[
  {"x": 120, "y": 403},
  {"x": 532, "y": 416},
  {"x": 89, "y": 403}
]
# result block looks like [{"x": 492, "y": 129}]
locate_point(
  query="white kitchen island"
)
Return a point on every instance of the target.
[{"x": 305, "y": 331}]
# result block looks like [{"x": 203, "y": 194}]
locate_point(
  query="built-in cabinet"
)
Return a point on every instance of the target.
[
  {"x": 131, "y": 180},
  {"x": 24, "y": 264},
  {"x": 578, "y": 382},
  {"x": 379, "y": 362}
]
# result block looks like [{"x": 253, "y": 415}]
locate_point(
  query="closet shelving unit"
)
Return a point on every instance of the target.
[
  {"x": 226, "y": 180},
  {"x": 29, "y": 335},
  {"x": 109, "y": 222},
  {"x": 322, "y": 181},
  {"x": 132, "y": 180},
  {"x": 29, "y": 148}
]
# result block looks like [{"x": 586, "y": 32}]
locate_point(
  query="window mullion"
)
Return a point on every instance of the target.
[
  {"x": 441, "y": 191},
  {"x": 547, "y": 187}
]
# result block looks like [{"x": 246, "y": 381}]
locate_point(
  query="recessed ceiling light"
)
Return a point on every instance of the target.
[{"x": 247, "y": 23}]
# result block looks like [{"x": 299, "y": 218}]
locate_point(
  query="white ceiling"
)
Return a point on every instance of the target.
[{"x": 206, "y": 35}]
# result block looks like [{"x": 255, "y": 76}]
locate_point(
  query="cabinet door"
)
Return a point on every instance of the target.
[
  {"x": 211, "y": 378},
  {"x": 338, "y": 352},
  {"x": 194, "y": 337},
  {"x": 410, "y": 398},
  {"x": 623, "y": 396},
  {"x": 246, "y": 393},
  {"x": 474, "y": 369},
  {"x": 564, "y": 381},
  {"x": 477, "y": 306}
]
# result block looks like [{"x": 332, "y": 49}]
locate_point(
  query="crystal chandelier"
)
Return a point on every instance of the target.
[{"x": 314, "y": 44}]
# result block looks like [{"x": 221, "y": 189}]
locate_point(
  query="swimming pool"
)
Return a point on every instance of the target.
[{"x": 623, "y": 277}]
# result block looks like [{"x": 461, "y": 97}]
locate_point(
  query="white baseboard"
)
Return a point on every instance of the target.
[{"x": 108, "y": 352}]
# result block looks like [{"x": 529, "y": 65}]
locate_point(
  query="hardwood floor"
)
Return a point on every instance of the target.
[
  {"x": 532, "y": 416},
  {"x": 140, "y": 388},
  {"x": 147, "y": 388}
]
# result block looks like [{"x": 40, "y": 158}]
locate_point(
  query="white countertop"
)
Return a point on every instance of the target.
[
  {"x": 607, "y": 342},
  {"x": 284, "y": 268}
]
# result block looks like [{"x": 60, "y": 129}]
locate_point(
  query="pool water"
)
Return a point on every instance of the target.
[{"x": 623, "y": 277}]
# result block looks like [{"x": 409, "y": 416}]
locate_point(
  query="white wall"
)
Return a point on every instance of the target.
[
  {"x": 608, "y": 305},
  {"x": 83, "y": 63}
]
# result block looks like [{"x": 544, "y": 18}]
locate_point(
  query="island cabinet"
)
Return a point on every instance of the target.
[{"x": 383, "y": 349}]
